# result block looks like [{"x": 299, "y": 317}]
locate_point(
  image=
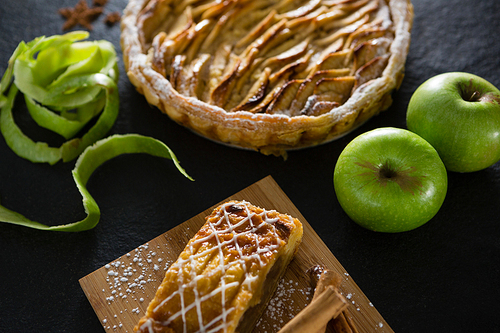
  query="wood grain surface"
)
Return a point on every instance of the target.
[{"x": 120, "y": 291}]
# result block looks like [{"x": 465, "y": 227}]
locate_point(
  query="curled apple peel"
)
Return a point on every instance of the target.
[
  {"x": 92, "y": 157},
  {"x": 66, "y": 83}
]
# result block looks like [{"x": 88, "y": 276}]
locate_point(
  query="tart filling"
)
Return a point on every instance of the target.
[
  {"x": 231, "y": 265},
  {"x": 269, "y": 75}
]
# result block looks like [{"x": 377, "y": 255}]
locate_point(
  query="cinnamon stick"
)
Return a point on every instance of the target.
[
  {"x": 326, "y": 278},
  {"x": 318, "y": 313},
  {"x": 323, "y": 278},
  {"x": 344, "y": 324}
]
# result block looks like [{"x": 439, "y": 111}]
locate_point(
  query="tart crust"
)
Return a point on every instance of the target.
[
  {"x": 227, "y": 272},
  {"x": 226, "y": 106}
]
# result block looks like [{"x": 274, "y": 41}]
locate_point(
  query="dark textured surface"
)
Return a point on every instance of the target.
[{"x": 441, "y": 277}]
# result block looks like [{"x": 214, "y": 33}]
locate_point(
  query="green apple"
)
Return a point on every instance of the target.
[
  {"x": 390, "y": 180},
  {"x": 459, "y": 115}
]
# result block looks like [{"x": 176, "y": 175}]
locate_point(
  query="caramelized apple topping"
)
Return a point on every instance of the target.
[{"x": 290, "y": 57}]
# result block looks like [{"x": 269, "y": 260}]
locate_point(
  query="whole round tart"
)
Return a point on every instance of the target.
[{"x": 269, "y": 75}]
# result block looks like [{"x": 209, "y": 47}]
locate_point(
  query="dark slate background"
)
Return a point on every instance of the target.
[{"x": 441, "y": 277}]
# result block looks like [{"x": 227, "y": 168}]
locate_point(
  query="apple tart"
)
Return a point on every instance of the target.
[
  {"x": 269, "y": 75},
  {"x": 223, "y": 279}
]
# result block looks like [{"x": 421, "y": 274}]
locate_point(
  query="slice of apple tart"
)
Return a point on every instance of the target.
[
  {"x": 223, "y": 279},
  {"x": 269, "y": 75}
]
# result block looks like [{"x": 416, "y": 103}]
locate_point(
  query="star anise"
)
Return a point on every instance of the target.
[{"x": 81, "y": 14}]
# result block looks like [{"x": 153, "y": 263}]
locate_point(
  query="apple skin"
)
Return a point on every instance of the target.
[
  {"x": 464, "y": 129},
  {"x": 390, "y": 180}
]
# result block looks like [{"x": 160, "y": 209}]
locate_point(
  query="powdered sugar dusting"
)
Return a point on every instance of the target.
[
  {"x": 127, "y": 278},
  {"x": 282, "y": 307}
]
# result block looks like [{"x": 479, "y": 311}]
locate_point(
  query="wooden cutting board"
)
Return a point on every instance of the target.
[{"x": 120, "y": 291}]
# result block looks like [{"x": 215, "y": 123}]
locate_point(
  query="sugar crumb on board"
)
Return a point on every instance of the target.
[{"x": 127, "y": 278}]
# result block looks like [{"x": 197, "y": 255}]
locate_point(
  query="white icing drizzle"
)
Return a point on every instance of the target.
[
  {"x": 222, "y": 226},
  {"x": 149, "y": 325}
]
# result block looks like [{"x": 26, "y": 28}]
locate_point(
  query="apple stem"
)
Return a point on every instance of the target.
[{"x": 475, "y": 96}]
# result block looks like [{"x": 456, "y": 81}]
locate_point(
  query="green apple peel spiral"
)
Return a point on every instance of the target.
[{"x": 66, "y": 83}]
